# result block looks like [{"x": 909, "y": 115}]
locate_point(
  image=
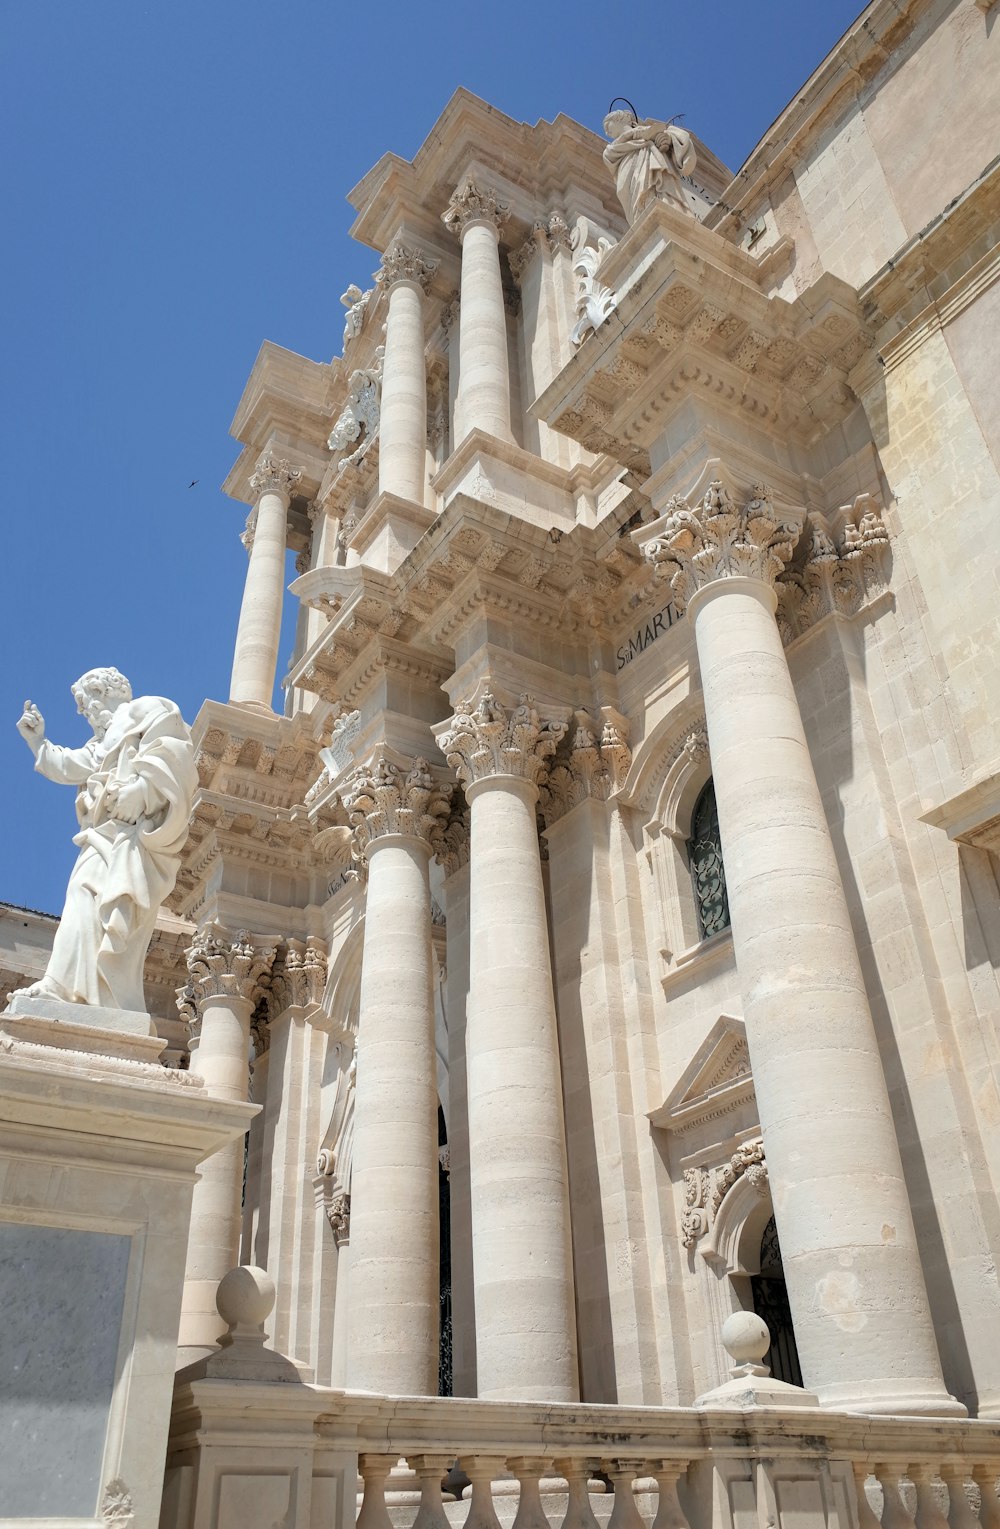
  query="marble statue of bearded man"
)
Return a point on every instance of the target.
[
  {"x": 136, "y": 778},
  {"x": 648, "y": 160}
]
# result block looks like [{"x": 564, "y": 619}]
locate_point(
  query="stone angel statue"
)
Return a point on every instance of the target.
[
  {"x": 135, "y": 780},
  {"x": 647, "y": 159}
]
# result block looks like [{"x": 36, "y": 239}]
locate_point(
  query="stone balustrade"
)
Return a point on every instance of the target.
[{"x": 479, "y": 1465}]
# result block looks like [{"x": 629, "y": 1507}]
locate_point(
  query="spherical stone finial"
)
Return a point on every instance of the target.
[
  {"x": 245, "y": 1297},
  {"x": 744, "y": 1336}
]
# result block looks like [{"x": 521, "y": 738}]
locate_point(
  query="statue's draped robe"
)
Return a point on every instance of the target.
[
  {"x": 124, "y": 870},
  {"x": 644, "y": 172}
]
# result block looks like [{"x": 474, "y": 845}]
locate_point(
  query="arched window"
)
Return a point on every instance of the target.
[
  {"x": 770, "y": 1301},
  {"x": 708, "y": 874}
]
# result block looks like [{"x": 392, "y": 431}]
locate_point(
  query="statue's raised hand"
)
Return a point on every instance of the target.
[
  {"x": 126, "y": 800},
  {"x": 31, "y": 726}
]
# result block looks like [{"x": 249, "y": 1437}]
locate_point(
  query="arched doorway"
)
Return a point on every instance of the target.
[{"x": 770, "y": 1301}]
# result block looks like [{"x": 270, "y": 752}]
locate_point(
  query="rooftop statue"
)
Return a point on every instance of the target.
[
  {"x": 648, "y": 159},
  {"x": 136, "y": 778}
]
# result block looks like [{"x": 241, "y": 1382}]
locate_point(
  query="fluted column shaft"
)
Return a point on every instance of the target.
[
  {"x": 255, "y": 659},
  {"x": 521, "y": 1248},
  {"x": 226, "y": 978},
  {"x": 484, "y": 389},
  {"x": 403, "y": 426},
  {"x": 862, "y": 1318},
  {"x": 394, "y": 1263}
]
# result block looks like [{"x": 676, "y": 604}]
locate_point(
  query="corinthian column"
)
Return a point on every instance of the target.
[
  {"x": 255, "y": 660},
  {"x": 403, "y": 449},
  {"x": 398, "y": 813},
  {"x": 521, "y": 1253},
  {"x": 862, "y": 1320},
  {"x": 226, "y": 980},
  {"x": 483, "y": 400}
]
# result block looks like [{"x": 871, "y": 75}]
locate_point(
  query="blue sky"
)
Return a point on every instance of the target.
[{"x": 174, "y": 185}]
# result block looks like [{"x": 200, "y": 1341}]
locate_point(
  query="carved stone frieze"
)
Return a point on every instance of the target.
[
  {"x": 595, "y": 765},
  {"x": 471, "y": 203},
  {"x": 273, "y": 475},
  {"x": 718, "y": 539},
  {"x": 383, "y": 797},
  {"x": 705, "y": 1187},
  {"x": 221, "y": 966},
  {"x": 401, "y": 262},
  {"x": 484, "y": 738}
]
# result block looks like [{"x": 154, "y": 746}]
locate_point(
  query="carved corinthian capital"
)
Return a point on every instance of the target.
[
  {"x": 273, "y": 475},
  {"x": 484, "y": 739},
  {"x": 299, "y": 976},
  {"x": 474, "y": 204},
  {"x": 594, "y": 766},
  {"x": 220, "y": 966},
  {"x": 387, "y": 797},
  {"x": 718, "y": 539},
  {"x": 401, "y": 262}
]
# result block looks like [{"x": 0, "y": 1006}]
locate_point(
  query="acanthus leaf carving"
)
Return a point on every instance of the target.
[
  {"x": 471, "y": 203},
  {"x": 221, "y": 966},
  {"x": 386, "y": 797},
  {"x": 706, "y": 1187},
  {"x": 485, "y": 738},
  {"x": 594, "y": 301},
  {"x": 273, "y": 475},
  {"x": 401, "y": 262},
  {"x": 298, "y": 976},
  {"x": 595, "y": 765},
  {"x": 719, "y": 539},
  {"x": 832, "y": 582},
  {"x": 358, "y": 421}
]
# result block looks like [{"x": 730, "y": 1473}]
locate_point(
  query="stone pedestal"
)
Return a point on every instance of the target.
[{"x": 98, "y": 1159}]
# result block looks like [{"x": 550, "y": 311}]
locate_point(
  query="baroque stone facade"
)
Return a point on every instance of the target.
[{"x": 627, "y": 841}]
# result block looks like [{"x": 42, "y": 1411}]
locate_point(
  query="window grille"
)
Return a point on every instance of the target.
[{"x": 708, "y": 874}]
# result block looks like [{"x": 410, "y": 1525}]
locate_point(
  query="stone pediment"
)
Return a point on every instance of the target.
[{"x": 716, "y": 1080}]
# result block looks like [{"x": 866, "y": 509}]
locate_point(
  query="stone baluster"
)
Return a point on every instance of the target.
[
  {"x": 895, "y": 1514},
  {"x": 928, "y": 1514},
  {"x": 255, "y": 660},
  {"x": 579, "y": 1514},
  {"x": 374, "y": 1471},
  {"x": 625, "y": 1512},
  {"x": 862, "y": 1318},
  {"x": 521, "y": 1256},
  {"x": 867, "y": 1517},
  {"x": 985, "y": 1477},
  {"x": 430, "y": 1469},
  {"x": 483, "y": 403},
  {"x": 227, "y": 978},
  {"x": 960, "y": 1513},
  {"x": 398, "y": 812},
  {"x": 404, "y": 274},
  {"x": 529, "y": 1471},
  {"x": 482, "y": 1470},
  {"x": 669, "y": 1513}
]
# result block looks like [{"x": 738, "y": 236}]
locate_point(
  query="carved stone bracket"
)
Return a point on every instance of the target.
[
  {"x": 220, "y": 966},
  {"x": 595, "y": 765},
  {"x": 401, "y": 262},
  {"x": 718, "y": 539},
  {"x": 273, "y": 475},
  {"x": 474, "y": 204},
  {"x": 705, "y": 1188},
  {"x": 484, "y": 739},
  {"x": 385, "y": 797},
  {"x": 594, "y": 301}
]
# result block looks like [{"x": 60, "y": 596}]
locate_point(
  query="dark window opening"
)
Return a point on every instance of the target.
[
  {"x": 770, "y": 1301},
  {"x": 444, "y": 1207},
  {"x": 708, "y": 874}
]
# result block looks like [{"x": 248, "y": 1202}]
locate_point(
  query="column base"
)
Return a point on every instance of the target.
[
  {"x": 891, "y": 1400},
  {"x": 260, "y": 707}
]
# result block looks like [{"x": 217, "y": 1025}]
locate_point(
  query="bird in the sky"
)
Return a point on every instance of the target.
[{"x": 193, "y": 482}]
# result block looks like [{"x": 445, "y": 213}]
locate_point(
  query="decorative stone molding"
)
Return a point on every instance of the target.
[
  {"x": 298, "y": 977},
  {"x": 358, "y": 421},
  {"x": 450, "y": 311},
  {"x": 484, "y": 739},
  {"x": 718, "y": 539},
  {"x": 455, "y": 851},
  {"x": 220, "y": 966},
  {"x": 338, "y": 1213},
  {"x": 832, "y": 581},
  {"x": 694, "y": 745},
  {"x": 444, "y": 1158},
  {"x": 356, "y": 302},
  {"x": 117, "y": 1507},
  {"x": 303, "y": 562},
  {"x": 550, "y": 233},
  {"x": 273, "y": 475},
  {"x": 595, "y": 765},
  {"x": 401, "y": 262},
  {"x": 594, "y": 301},
  {"x": 337, "y": 756},
  {"x": 705, "y": 1188},
  {"x": 384, "y": 797},
  {"x": 473, "y": 204},
  {"x": 247, "y": 534}
]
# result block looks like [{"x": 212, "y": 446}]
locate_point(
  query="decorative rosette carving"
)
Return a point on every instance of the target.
[
  {"x": 385, "y": 797},
  {"x": 220, "y": 966},
  {"x": 484, "y": 739},
  {"x": 401, "y": 262},
  {"x": 273, "y": 475},
  {"x": 474, "y": 204},
  {"x": 719, "y": 539}
]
